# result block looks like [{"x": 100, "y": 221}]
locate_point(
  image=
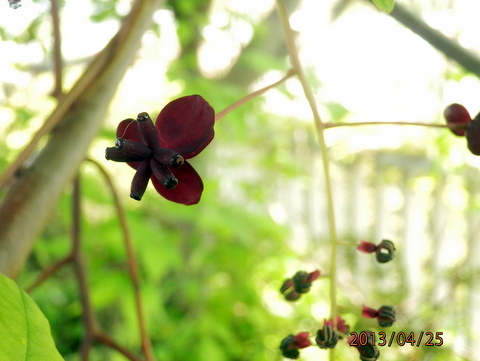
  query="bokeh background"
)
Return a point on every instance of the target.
[{"x": 211, "y": 272}]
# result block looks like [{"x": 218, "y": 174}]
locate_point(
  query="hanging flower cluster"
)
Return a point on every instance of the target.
[
  {"x": 384, "y": 251},
  {"x": 335, "y": 329},
  {"x": 385, "y": 315},
  {"x": 301, "y": 282},
  {"x": 457, "y": 114},
  {"x": 159, "y": 151}
]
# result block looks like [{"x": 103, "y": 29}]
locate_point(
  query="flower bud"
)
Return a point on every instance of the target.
[
  {"x": 385, "y": 251},
  {"x": 302, "y": 281},
  {"x": 368, "y": 351},
  {"x": 288, "y": 291},
  {"x": 457, "y": 114},
  {"x": 290, "y": 345},
  {"x": 326, "y": 337},
  {"x": 386, "y": 316}
]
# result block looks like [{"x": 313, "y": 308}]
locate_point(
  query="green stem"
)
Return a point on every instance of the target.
[
  {"x": 430, "y": 125},
  {"x": 320, "y": 127}
]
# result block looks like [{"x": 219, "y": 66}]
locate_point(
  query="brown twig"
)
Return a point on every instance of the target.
[
  {"x": 80, "y": 274},
  {"x": 105, "y": 339},
  {"x": 251, "y": 96},
  {"x": 48, "y": 272},
  {"x": 431, "y": 125},
  {"x": 132, "y": 263},
  {"x": 57, "y": 49}
]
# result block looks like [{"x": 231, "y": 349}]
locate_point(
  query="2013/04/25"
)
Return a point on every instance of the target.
[{"x": 364, "y": 337}]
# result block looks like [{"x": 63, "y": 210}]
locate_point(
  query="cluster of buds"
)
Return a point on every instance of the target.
[
  {"x": 384, "y": 251},
  {"x": 335, "y": 329},
  {"x": 301, "y": 282},
  {"x": 326, "y": 337}
]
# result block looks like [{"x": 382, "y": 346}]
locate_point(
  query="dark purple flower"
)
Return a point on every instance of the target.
[
  {"x": 385, "y": 315},
  {"x": 158, "y": 151},
  {"x": 385, "y": 250},
  {"x": 291, "y": 344}
]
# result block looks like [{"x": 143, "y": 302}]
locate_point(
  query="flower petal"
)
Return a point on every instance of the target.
[
  {"x": 186, "y": 125},
  {"x": 128, "y": 129},
  {"x": 312, "y": 276},
  {"x": 301, "y": 340},
  {"x": 189, "y": 188},
  {"x": 367, "y": 247},
  {"x": 369, "y": 312}
]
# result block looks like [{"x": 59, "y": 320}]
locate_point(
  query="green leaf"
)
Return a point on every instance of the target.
[
  {"x": 385, "y": 5},
  {"x": 24, "y": 330}
]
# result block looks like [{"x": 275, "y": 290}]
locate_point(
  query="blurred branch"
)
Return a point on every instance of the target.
[
  {"x": 251, "y": 96},
  {"x": 92, "y": 331},
  {"x": 57, "y": 49},
  {"x": 50, "y": 271},
  {"x": 106, "y": 340},
  {"x": 80, "y": 275},
  {"x": 132, "y": 263},
  {"x": 431, "y": 125},
  {"x": 76, "y": 120},
  {"x": 450, "y": 48}
]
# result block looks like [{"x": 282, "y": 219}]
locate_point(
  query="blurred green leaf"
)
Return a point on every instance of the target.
[
  {"x": 385, "y": 5},
  {"x": 24, "y": 330}
]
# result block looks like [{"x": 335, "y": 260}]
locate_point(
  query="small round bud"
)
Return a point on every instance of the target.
[
  {"x": 288, "y": 291},
  {"x": 386, "y": 316},
  {"x": 302, "y": 281},
  {"x": 170, "y": 183},
  {"x": 457, "y": 114},
  {"x": 288, "y": 348},
  {"x": 326, "y": 337},
  {"x": 385, "y": 251}
]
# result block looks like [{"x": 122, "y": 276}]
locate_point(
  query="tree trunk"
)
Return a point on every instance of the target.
[{"x": 26, "y": 207}]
